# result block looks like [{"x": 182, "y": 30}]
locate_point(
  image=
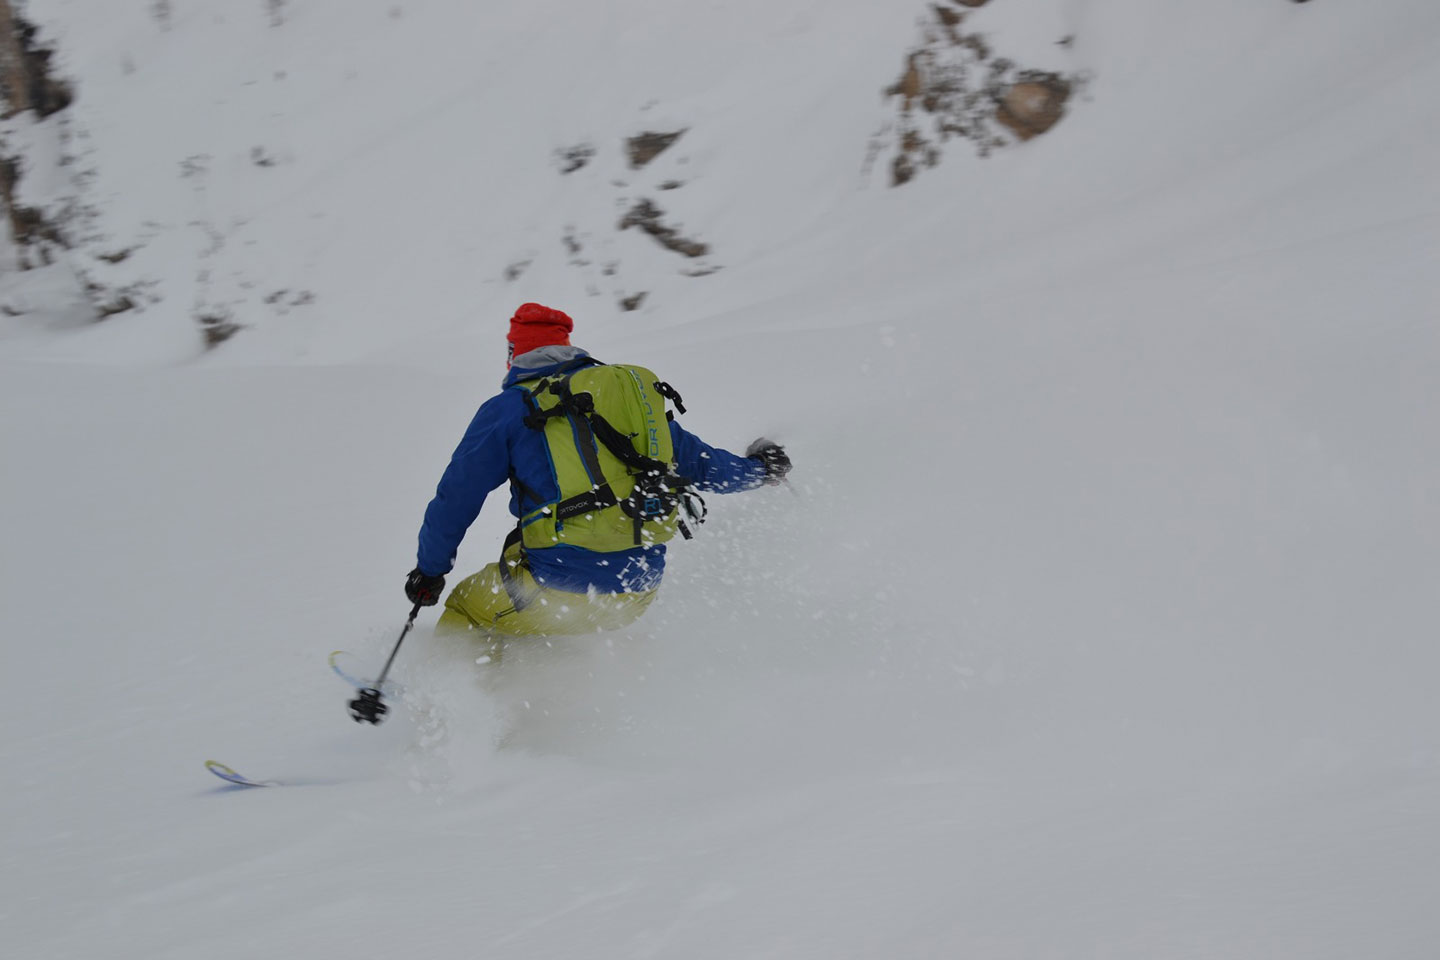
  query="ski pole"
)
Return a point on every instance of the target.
[{"x": 368, "y": 707}]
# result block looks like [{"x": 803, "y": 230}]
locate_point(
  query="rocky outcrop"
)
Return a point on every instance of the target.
[
  {"x": 28, "y": 225},
  {"x": 644, "y": 147},
  {"x": 1033, "y": 105},
  {"x": 25, "y": 79},
  {"x": 26, "y": 84},
  {"x": 591, "y": 251},
  {"x": 570, "y": 159},
  {"x": 955, "y": 86},
  {"x": 646, "y": 216}
]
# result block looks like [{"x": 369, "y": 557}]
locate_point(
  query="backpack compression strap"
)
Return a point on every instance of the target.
[
  {"x": 574, "y": 409},
  {"x": 508, "y": 579}
]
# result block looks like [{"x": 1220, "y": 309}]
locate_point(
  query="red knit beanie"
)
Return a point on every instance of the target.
[{"x": 535, "y": 326}]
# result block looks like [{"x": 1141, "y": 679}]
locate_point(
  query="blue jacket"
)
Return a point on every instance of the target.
[{"x": 498, "y": 447}]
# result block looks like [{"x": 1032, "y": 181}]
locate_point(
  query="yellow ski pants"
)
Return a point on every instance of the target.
[{"x": 481, "y": 602}]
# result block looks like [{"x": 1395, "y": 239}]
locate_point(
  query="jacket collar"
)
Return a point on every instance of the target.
[{"x": 543, "y": 361}]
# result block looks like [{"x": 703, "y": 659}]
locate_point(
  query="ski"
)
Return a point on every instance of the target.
[
  {"x": 239, "y": 779},
  {"x": 390, "y": 688},
  {"x": 337, "y": 664},
  {"x": 231, "y": 775}
]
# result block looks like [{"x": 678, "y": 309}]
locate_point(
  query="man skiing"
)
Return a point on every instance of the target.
[{"x": 598, "y": 482}]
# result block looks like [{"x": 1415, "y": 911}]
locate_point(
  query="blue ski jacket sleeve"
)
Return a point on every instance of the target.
[
  {"x": 711, "y": 469},
  {"x": 480, "y": 464}
]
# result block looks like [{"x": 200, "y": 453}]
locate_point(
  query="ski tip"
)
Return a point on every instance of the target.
[{"x": 232, "y": 776}]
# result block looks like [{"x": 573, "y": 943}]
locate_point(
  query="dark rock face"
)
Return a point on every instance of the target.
[
  {"x": 646, "y": 216},
  {"x": 644, "y": 147},
  {"x": 25, "y": 80},
  {"x": 26, "y": 84}
]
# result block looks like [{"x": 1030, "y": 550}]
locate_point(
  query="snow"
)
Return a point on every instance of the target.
[{"x": 1100, "y": 618}]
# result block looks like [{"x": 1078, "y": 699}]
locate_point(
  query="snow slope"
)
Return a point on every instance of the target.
[{"x": 1100, "y": 622}]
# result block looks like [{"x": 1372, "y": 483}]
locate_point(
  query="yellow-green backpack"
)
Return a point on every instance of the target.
[{"x": 607, "y": 432}]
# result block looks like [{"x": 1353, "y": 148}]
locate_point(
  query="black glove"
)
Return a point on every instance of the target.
[
  {"x": 772, "y": 455},
  {"x": 423, "y": 589}
]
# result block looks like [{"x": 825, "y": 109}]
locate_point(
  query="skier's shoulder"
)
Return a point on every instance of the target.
[
  {"x": 505, "y": 411},
  {"x": 500, "y": 406},
  {"x": 502, "y": 414}
]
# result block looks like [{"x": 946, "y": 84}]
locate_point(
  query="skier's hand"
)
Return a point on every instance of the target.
[
  {"x": 423, "y": 589},
  {"x": 772, "y": 455}
]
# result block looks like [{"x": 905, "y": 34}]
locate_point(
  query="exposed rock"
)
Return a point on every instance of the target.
[
  {"x": 570, "y": 159},
  {"x": 26, "y": 84},
  {"x": 955, "y": 86},
  {"x": 972, "y": 3},
  {"x": 281, "y": 301},
  {"x": 121, "y": 303},
  {"x": 644, "y": 147},
  {"x": 1033, "y": 105},
  {"x": 217, "y": 327},
  {"x": 632, "y": 302},
  {"x": 902, "y": 170},
  {"x": 646, "y": 216},
  {"x": 25, "y": 80},
  {"x": 113, "y": 299},
  {"x": 29, "y": 227},
  {"x": 909, "y": 85}
]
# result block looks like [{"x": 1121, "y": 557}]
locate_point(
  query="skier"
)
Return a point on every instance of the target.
[{"x": 595, "y": 490}]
